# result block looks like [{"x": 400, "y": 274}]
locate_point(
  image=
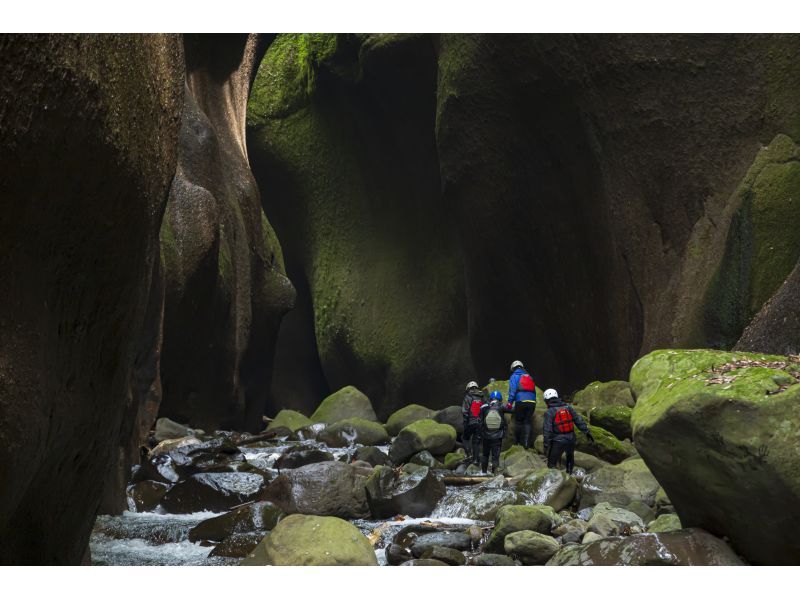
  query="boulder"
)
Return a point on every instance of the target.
[
  {"x": 212, "y": 492},
  {"x": 684, "y": 547},
  {"x": 616, "y": 393},
  {"x": 741, "y": 413},
  {"x": 327, "y": 488},
  {"x": 614, "y": 418},
  {"x": 145, "y": 495},
  {"x": 665, "y": 523},
  {"x": 313, "y": 540},
  {"x": 478, "y": 502},
  {"x": 453, "y": 460},
  {"x": 256, "y": 517},
  {"x": 588, "y": 462},
  {"x": 345, "y": 403},
  {"x": 424, "y": 563},
  {"x": 493, "y": 560},
  {"x": 531, "y": 548},
  {"x": 452, "y": 417},
  {"x": 238, "y": 546},
  {"x": 517, "y": 461},
  {"x": 447, "y": 539},
  {"x": 390, "y": 494},
  {"x": 422, "y": 435},
  {"x": 620, "y": 485},
  {"x": 606, "y": 446},
  {"x": 173, "y": 444},
  {"x": 550, "y": 487},
  {"x": 608, "y": 520},
  {"x": 408, "y": 415},
  {"x": 354, "y": 430},
  {"x": 516, "y": 518},
  {"x": 426, "y": 459},
  {"x": 449, "y": 556},
  {"x": 589, "y": 537},
  {"x": 370, "y": 454},
  {"x": 166, "y": 429},
  {"x": 571, "y": 531},
  {"x": 298, "y": 456},
  {"x": 287, "y": 418},
  {"x": 309, "y": 432}
]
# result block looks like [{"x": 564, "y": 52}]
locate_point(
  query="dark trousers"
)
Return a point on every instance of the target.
[
  {"x": 472, "y": 441},
  {"x": 523, "y": 412},
  {"x": 560, "y": 447},
  {"x": 491, "y": 447}
]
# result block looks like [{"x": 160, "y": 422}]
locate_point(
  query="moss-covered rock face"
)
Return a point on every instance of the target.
[
  {"x": 407, "y": 415},
  {"x": 345, "y": 403},
  {"x": 550, "y": 487},
  {"x": 225, "y": 284},
  {"x": 287, "y": 418},
  {"x": 620, "y": 485},
  {"x": 603, "y": 394},
  {"x": 515, "y": 518},
  {"x": 517, "y": 461},
  {"x": 606, "y": 446},
  {"x": 532, "y": 548},
  {"x": 422, "y": 435},
  {"x": 720, "y": 431},
  {"x": 763, "y": 243},
  {"x": 668, "y": 522},
  {"x": 312, "y": 540},
  {"x": 614, "y": 418},
  {"x": 354, "y": 430}
]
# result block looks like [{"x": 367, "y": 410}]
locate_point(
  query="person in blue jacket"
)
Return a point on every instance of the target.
[{"x": 522, "y": 401}]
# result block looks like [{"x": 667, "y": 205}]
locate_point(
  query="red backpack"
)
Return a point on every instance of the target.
[
  {"x": 563, "y": 422},
  {"x": 475, "y": 408},
  {"x": 526, "y": 383}
]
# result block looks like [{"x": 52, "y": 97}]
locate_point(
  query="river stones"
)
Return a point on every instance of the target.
[
  {"x": 238, "y": 546},
  {"x": 620, "y": 485},
  {"x": 449, "y": 556},
  {"x": 571, "y": 531},
  {"x": 603, "y": 394},
  {"x": 720, "y": 431},
  {"x": 289, "y": 419},
  {"x": 327, "y": 488},
  {"x": 531, "y": 548},
  {"x": 451, "y": 416},
  {"x": 259, "y": 516},
  {"x": 298, "y": 456},
  {"x": 517, "y": 461},
  {"x": 309, "y": 432},
  {"x": 415, "y": 494},
  {"x": 550, "y": 487},
  {"x": 313, "y": 540},
  {"x": 423, "y": 563},
  {"x": 493, "y": 560},
  {"x": 479, "y": 502},
  {"x": 146, "y": 495},
  {"x": 516, "y": 518},
  {"x": 407, "y": 415},
  {"x": 174, "y": 444},
  {"x": 160, "y": 468},
  {"x": 372, "y": 455},
  {"x": 354, "y": 430},
  {"x": 212, "y": 492},
  {"x": 589, "y": 463},
  {"x": 166, "y": 429},
  {"x": 614, "y": 418},
  {"x": 665, "y": 523},
  {"x": 448, "y": 539},
  {"x": 345, "y": 403},
  {"x": 608, "y": 520},
  {"x": 422, "y": 435},
  {"x": 684, "y": 547},
  {"x": 426, "y": 459}
]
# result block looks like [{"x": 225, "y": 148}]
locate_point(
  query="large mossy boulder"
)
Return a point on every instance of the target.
[
  {"x": 620, "y": 485},
  {"x": 720, "y": 431},
  {"x": 407, "y": 415},
  {"x": 531, "y": 548},
  {"x": 516, "y": 518},
  {"x": 415, "y": 494},
  {"x": 345, "y": 403},
  {"x": 353, "y": 430},
  {"x": 614, "y": 418},
  {"x": 668, "y": 522},
  {"x": 327, "y": 488},
  {"x": 684, "y": 547},
  {"x": 313, "y": 540},
  {"x": 517, "y": 461},
  {"x": 422, "y": 435},
  {"x": 212, "y": 492},
  {"x": 289, "y": 419},
  {"x": 451, "y": 416},
  {"x": 610, "y": 520},
  {"x": 256, "y": 517},
  {"x": 300, "y": 455},
  {"x": 606, "y": 446},
  {"x": 616, "y": 393},
  {"x": 551, "y": 487}
]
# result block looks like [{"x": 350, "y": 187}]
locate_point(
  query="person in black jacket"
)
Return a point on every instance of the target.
[
  {"x": 470, "y": 410},
  {"x": 493, "y": 430},
  {"x": 560, "y": 420}
]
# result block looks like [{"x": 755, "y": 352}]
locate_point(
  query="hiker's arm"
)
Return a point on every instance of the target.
[
  {"x": 547, "y": 429},
  {"x": 512, "y": 388},
  {"x": 580, "y": 422}
]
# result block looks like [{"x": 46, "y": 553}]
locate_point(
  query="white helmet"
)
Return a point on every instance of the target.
[
  {"x": 472, "y": 384},
  {"x": 550, "y": 394},
  {"x": 516, "y": 364}
]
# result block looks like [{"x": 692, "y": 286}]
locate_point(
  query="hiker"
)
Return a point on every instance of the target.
[
  {"x": 560, "y": 420},
  {"x": 471, "y": 410},
  {"x": 493, "y": 430},
  {"x": 522, "y": 401}
]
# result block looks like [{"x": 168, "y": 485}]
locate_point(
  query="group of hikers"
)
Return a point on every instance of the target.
[{"x": 485, "y": 424}]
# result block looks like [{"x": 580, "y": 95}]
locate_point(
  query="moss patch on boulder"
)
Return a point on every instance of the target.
[
  {"x": 405, "y": 416},
  {"x": 425, "y": 434},
  {"x": 292, "y": 420},
  {"x": 345, "y": 403},
  {"x": 614, "y": 418},
  {"x": 354, "y": 430}
]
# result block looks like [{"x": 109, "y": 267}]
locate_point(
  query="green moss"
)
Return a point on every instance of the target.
[
  {"x": 347, "y": 402},
  {"x": 287, "y": 418},
  {"x": 405, "y": 416},
  {"x": 606, "y": 446},
  {"x": 614, "y": 418}
]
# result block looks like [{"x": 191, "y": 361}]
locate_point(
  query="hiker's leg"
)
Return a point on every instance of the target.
[
  {"x": 519, "y": 422},
  {"x": 485, "y": 458},
  {"x": 476, "y": 444},
  {"x": 554, "y": 456},
  {"x": 467, "y": 441},
  {"x": 496, "y": 445},
  {"x": 570, "y": 451},
  {"x": 526, "y": 436}
]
